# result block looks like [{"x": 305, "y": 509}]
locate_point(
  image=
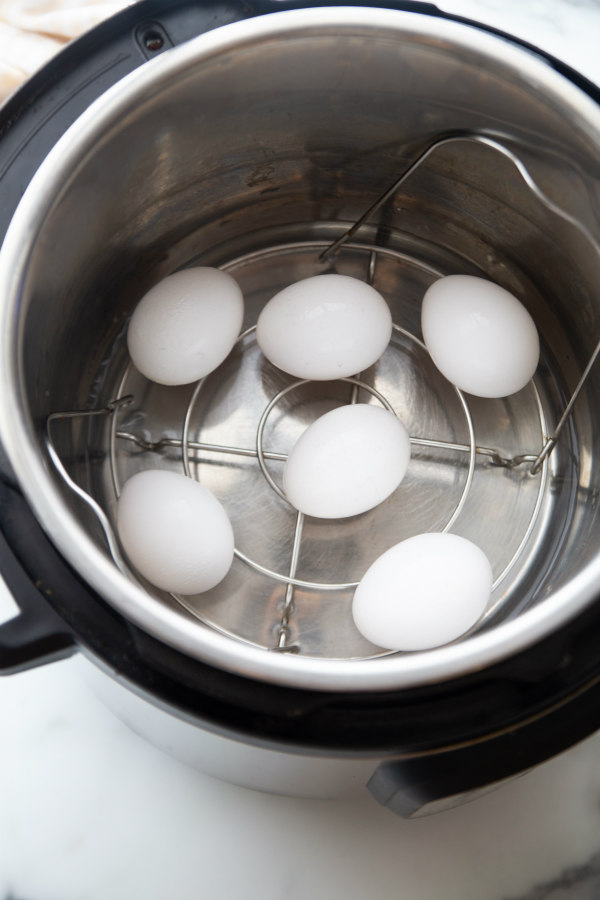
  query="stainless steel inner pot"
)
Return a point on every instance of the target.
[{"x": 252, "y": 148}]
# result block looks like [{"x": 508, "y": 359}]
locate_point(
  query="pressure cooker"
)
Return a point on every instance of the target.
[{"x": 391, "y": 142}]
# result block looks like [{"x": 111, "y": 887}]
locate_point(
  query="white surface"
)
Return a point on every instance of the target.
[{"x": 89, "y": 811}]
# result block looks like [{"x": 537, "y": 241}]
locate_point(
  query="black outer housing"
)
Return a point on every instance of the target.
[{"x": 447, "y": 738}]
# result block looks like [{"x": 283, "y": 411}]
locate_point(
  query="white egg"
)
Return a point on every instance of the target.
[
  {"x": 174, "y": 531},
  {"x": 325, "y": 327},
  {"x": 186, "y": 325},
  {"x": 346, "y": 462},
  {"x": 423, "y": 592},
  {"x": 480, "y": 337}
]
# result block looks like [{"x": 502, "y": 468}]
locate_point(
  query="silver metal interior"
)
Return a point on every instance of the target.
[{"x": 254, "y": 148}]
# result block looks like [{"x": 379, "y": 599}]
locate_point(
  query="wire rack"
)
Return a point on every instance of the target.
[{"x": 532, "y": 462}]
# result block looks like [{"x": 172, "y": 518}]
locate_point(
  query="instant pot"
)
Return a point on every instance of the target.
[{"x": 393, "y": 143}]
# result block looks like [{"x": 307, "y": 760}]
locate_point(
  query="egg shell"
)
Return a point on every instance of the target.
[
  {"x": 479, "y": 335},
  {"x": 174, "y": 531},
  {"x": 186, "y": 325},
  {"x": 325, "y": 327},
  {"x": 346, "y": 462},
  {"x": 423, "y": 592}
]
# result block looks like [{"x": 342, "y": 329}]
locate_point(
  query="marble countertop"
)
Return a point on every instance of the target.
[{"x": 90, "y": 811}]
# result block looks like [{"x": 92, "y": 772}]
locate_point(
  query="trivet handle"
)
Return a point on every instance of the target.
[{"x": 36, "y": 635}]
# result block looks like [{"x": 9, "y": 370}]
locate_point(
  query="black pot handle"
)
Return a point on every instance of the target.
[
  {"x": 28, "y": 640},
  {"x": 433, "y": 782},
  {"x": 428, "y": 785},
  {"x": 36, "y": 635}
]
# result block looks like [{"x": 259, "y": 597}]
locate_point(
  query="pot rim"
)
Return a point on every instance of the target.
[{"x": 16, "y": 428}]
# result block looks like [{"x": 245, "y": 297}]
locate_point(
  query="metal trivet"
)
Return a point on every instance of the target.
[{"x": 534, "y": 464}]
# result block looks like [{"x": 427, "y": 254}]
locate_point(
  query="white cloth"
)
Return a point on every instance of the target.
[{"x": 32, "y": 31}]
